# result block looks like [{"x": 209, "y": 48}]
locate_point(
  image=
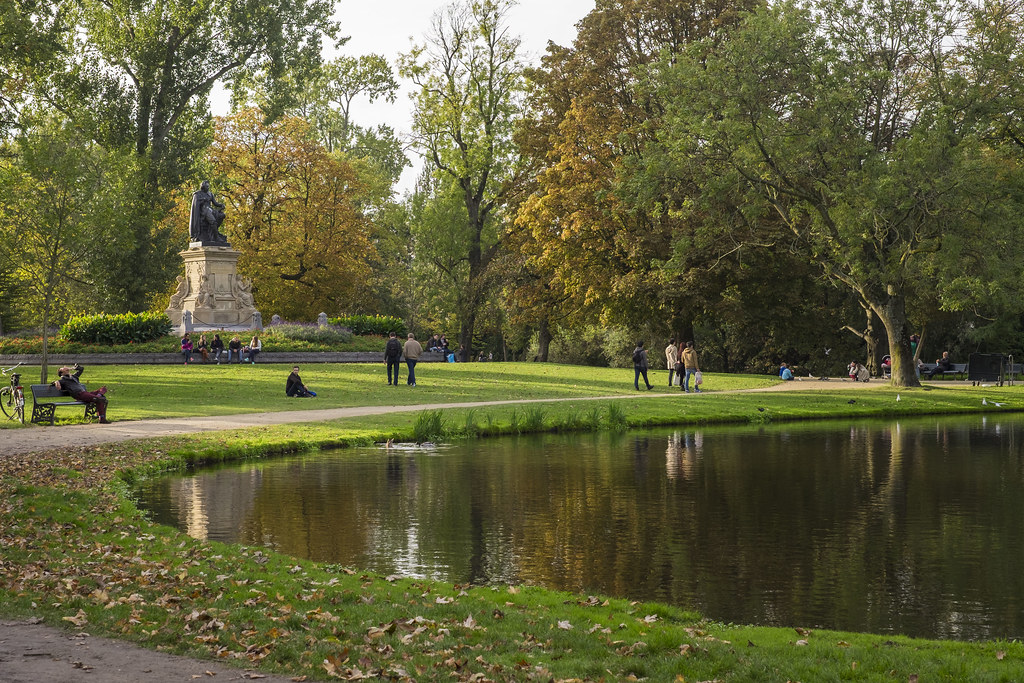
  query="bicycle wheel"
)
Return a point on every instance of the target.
[{"x": 7, "y": 402}]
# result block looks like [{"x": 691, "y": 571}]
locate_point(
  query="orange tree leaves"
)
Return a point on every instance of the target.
[{"x": 294, "y": 211}]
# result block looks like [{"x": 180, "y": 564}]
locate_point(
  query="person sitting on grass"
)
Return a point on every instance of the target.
[
  {"x": 785, "y": 372},
  {"x": 68, "y": 381},
  {"x": 295, "y": 387}
]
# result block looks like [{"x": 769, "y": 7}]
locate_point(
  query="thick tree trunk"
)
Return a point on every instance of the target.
[
  {"x": 892, "y": 313},
  {"x": 543, "y": 341}
]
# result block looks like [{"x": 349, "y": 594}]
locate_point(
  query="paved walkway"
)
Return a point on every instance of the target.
[{"x": 27, "y": 440}]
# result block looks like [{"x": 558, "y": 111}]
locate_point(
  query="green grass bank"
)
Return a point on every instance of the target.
[{"x": 75, "y": 551}]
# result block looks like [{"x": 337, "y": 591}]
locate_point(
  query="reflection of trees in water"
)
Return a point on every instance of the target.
[{"x": 861, "y": 527}]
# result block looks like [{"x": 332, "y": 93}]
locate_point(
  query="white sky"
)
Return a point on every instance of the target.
[{"x": 385, "y": 27}]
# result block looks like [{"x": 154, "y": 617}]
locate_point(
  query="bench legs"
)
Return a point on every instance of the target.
[
  {"x": 43, "y": 412},
  {"x": 47, "y": 412}
]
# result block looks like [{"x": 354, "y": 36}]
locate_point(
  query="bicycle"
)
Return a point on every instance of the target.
[{"x": 12, "y": 398}]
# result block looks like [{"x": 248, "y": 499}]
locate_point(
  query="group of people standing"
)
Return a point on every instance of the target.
[
  {"x": 680, "y": 360},
  {"x": 216, "y": 349}
]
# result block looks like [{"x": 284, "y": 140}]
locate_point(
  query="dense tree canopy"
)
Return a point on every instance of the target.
[
  {"x": 859, "y": 128},
  {"x": 293, "y": 212}
]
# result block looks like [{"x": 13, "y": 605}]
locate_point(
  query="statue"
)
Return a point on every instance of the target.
[
  {"x": 204, "y": 296},
  {"x": 206, "y": 217},
  {"x": 179, "y": 294},
  {"x": 243, "y": 293}
]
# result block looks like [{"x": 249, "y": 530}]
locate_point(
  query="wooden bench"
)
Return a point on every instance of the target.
[
  {"x": 957, "y": 370},
  {"x": 45, "y": 407}
]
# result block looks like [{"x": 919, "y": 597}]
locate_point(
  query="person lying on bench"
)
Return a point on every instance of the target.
[{"x": 68, "y": 381}]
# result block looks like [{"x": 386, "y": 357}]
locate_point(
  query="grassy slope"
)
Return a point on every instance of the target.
[
  {"x": 73, "y": 549},
  {"x": 151, "y": 391}
]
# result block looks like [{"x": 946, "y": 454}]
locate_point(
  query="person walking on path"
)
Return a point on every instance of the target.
[
  {"x": 690, "y": 367},
  {"x": 393, "y": 356},
  {"x": 671, "y": 358},
  {"x": 640, "y": 366},
  {"x": 412, "y": 351}
]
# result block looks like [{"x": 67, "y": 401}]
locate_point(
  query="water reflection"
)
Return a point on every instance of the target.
[{"x": 912, "y": 527}]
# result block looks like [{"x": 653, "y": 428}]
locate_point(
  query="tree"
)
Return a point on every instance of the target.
[
  {"x": 595, "y": 231},
  {"x": 469, "y": 96},
  {"x": 294, "y": 213},
  {"x": 141, "y": 71},
  {"x": 860, "y": 129},
  {"x": 30, "y": 32},
  {"x": 52, "y": 217}
]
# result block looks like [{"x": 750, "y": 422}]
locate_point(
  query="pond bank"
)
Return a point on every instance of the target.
[{"x": 75, "y": 551}]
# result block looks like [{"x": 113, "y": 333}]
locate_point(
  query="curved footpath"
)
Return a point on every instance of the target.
[
  {"x": 28, "y": 440},
  {"x": 32, "y": 651}
]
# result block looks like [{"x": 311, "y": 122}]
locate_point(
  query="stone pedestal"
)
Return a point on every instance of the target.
[{"x": 211, "y": 295}]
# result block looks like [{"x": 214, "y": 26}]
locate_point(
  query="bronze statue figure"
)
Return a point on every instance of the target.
[{"x": 206, "y": 218}]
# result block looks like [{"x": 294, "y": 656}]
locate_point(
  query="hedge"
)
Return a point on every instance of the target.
[
  {"x": 371, "y": 324},
  {"x": 125, "y": 328}
]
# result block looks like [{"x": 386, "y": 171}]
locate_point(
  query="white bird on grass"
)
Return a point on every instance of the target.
[
  {"x": 984, "y": 402},
  {"x": 897, "y": 398},
  {"x": 998, "y": 405}
]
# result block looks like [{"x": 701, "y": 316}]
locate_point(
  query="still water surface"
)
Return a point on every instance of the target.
[{"x": 912, "y": 527}]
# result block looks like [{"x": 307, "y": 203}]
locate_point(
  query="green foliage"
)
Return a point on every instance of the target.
[
  {"x": 327, "y": 336},
  {"x": 617, "y": 418},
  {"x": 429, "y": 426},
  {"x": 379, "y": 325},
  {"x": 533, "y": 420},
  {"x": 126, "y": 328}
]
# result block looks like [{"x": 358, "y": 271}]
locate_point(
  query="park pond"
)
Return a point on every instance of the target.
[{"x": 913, "y": 526}]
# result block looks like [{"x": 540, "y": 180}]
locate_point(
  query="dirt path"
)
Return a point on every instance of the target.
[
  {"x": 16, "y": 441},
  {"x": 32, "y": 652}
]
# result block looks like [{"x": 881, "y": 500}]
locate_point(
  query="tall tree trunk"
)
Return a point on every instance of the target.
[
  {"x": 892, "y": 312},
  {"x": 543, "y": 340}
]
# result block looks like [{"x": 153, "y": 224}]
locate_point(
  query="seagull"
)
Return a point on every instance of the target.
[
  {"x": 897, "y": 398},
  {"x": 984, "y": 402},
  {"x": 998, "y": 405}
]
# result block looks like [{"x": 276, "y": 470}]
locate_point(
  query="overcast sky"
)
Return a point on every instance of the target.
[{"x": 385, "y": 28}]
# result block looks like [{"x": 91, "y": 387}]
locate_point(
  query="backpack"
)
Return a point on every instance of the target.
[
  {"x": 393, "y": 348},
  {"x": 638, "y": 356}
]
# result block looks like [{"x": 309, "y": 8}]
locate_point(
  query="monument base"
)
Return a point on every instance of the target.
[{"x": 211, "y": 295}]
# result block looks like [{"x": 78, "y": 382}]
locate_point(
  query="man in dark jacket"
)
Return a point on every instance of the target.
[
  {"x": 392, "y": 356},
  {"x": 68, "y": 381},
  {"x": 217, "y": 348},
  {"x": 295, "y": 387}
]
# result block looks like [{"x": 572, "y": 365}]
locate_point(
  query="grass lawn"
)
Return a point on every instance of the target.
[
  {"x": 75, "y": 551},
  {"x": 153, "y": 391}
]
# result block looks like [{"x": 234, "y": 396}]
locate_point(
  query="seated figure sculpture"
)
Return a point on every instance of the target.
[{"x": 206, "y": 217}]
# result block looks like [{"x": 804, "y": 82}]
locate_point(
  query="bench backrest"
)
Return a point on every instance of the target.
[
  {"x": 958, "y": 367},
  {"x": 48, "y": 391}
]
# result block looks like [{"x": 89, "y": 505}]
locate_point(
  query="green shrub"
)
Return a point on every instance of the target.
[
  {"x": 379, "y": 325},
  {"x": 125, "y": 328},
  {"x": 429, "y": 426},
  {"x": 309, "y": 333}
]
